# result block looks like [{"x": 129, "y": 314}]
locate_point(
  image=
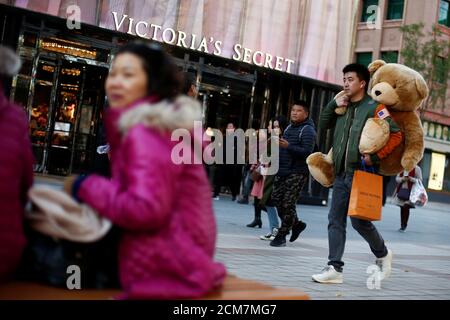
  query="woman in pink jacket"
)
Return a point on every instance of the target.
[
  {"x": 16, "y": 171},
  {"x": 164, "y": 208}
]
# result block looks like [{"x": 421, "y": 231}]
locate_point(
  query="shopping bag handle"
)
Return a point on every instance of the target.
[{"x": 363, "y": 164}]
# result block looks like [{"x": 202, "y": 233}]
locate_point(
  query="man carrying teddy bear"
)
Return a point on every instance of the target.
[{"x": 346, "y": 159}]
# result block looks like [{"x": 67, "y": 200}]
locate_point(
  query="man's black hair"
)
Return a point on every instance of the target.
[
  {"x": 303, "y": 104},
  {"x": 361, "y": 71}
]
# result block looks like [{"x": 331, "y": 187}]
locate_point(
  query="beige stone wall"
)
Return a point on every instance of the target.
[{"x": 389, "y": 36}]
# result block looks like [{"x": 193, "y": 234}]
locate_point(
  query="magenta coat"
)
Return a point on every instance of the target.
[
  {"x": 16, "y": 177},
  {"x": 165, "y": 209}
]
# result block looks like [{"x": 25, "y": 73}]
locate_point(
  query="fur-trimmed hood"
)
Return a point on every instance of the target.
[
  {"x": 164, "y": 115},
  {"x": 9, "y": 62}
]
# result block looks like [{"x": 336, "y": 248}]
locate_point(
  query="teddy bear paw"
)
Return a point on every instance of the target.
[
  {"x": 408, "y": 163},
  {"x": 321, "y": 168},
  {"x": 374, "y": 136},
  {"x": 340, "y": 110}
]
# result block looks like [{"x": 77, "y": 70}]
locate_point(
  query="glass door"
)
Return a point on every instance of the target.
[
  {"x": 88, "y": 119},
  {"x": 67, "y": 100},
  {"x": 64, "y": 115},
  {"x": 43, "y": 92}
]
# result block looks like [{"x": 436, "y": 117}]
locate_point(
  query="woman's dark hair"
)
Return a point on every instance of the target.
[{"x": 162, "y": 74}]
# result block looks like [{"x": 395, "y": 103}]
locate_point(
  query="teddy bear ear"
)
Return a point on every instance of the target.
[
  {"x": 374, "y": 66},
  {"x": 422, "y": 87}
]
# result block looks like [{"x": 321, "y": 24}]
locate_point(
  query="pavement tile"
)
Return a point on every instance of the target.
[{"x": 421, "y": 265}]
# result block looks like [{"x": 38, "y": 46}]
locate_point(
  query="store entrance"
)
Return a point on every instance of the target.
[
  {"x": 225, "y": 100},
  {"x": 222, "y": 107},
  {"x": 66, "y": 100}
]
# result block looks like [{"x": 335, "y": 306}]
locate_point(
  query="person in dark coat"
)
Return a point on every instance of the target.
[
  {"x": 296, "y": 144},
  {"x": 228, "y": 174}
]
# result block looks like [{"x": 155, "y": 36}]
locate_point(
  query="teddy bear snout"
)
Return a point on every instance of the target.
[{"x": 384, "y": 93}]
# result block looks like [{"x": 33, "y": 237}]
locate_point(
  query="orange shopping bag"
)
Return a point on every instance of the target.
[{"x": 366, "y": 196}]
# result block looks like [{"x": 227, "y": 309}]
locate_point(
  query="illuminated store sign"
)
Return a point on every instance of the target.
[{"x": 208, "y": 45}]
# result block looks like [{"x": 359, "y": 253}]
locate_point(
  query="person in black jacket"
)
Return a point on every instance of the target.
[
  {"x": 229, "y": 174},
  {"x": 296, "y": 144}
]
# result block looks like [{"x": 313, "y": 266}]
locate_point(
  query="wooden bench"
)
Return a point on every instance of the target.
[{"x": 234, "y": 288}]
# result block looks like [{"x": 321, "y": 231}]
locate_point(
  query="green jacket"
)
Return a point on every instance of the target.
[{"x": 347, "y": 132}]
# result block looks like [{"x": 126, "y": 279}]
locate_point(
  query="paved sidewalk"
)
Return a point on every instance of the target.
[{"x": 421, "y": 265}]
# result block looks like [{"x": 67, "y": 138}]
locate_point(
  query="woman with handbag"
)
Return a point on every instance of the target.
[
  {"x": 261, "y": 192},
  {"x": 162, "y": 205},
  {"x": 276, "y": 128},
  {"x": 264, "y": 201},
  {"x": 257, "y": 177},
  {"x": 405, "y": 183}
]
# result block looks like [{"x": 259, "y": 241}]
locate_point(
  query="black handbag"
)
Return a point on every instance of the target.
[{"x": 46, "y": 260}]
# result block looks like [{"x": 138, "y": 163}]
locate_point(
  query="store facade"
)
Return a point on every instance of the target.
[
  {"x": 436, "y": 159},
  {"x": 62, "y": 78}
]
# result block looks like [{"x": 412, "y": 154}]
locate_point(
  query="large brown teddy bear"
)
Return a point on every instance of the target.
[{"x": 401, "y": 90}]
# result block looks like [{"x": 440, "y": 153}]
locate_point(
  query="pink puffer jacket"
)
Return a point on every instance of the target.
[
  {"x": 164, "y": 209},
  {"x": 16, "y": 177}
]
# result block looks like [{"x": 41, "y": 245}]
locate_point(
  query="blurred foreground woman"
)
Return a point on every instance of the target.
[
  {"x": 16, "y": 171},
  {"x": 164, "y": 209}
]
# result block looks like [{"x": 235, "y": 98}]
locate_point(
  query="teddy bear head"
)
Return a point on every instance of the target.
[{"x": 397, "y": 86}]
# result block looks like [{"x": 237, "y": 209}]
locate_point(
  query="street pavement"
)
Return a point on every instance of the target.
[{"x": 421, "y": 264}]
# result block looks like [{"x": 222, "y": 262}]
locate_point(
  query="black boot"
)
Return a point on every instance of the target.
[
  {"x": 279, "y": 241},
  {"x": 255, "y": 223},
  {"x": 296, "y": 230}
]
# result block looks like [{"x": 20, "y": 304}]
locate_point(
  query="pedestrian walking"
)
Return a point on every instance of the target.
[
  {"x": 276, "y": 127},
  {"x": 346, "y": 157},
  {"x": 296, "y": 144},
  {"x": 405, "y": 182}
]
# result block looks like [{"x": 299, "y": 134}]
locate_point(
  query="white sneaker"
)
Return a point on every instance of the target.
[
  {"x": 385, "y": 265},
  {"x": 216, "y": 198},
  {"x": 270, "y": 236},
  {"x": 328, "y": 275},
  {"x": 267, "y": 237}
]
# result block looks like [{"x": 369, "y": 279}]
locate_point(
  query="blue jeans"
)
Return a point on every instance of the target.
[
  {"x": 273, "y": 218},
  {"x": 337, "y": 223},
  {"x": 247, "y": 186}
]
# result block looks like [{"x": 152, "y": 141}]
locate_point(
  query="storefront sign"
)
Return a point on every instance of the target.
[{"x": 209, "y": 45}]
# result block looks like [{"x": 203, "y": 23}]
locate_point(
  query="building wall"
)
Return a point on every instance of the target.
[{"x": 316, "y": 34}]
